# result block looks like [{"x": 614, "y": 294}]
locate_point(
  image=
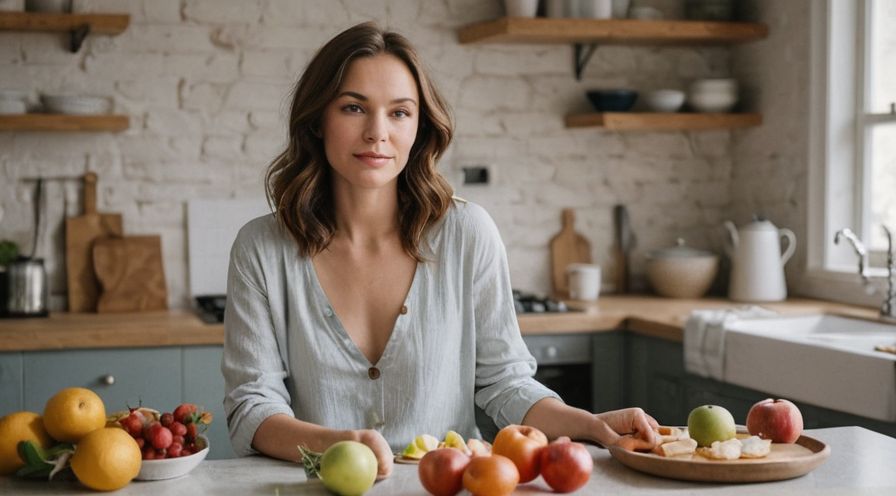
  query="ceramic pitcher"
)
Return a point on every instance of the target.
[{"x": 757, "y": 264}]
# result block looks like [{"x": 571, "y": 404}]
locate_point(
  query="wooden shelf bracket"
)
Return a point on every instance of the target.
[
  {"x": 78, "y": 35},
  {"x": 582, "y": 54}
]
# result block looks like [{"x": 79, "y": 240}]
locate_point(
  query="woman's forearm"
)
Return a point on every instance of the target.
[
  {"x": 556, "y": 419},
  {"x": 280, "y": 435}
]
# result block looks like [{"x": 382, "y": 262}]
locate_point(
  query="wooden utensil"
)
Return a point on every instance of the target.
[
  {"x": 567, "y": 247},
  {"x": 80, "y": 234},
  {"x": 622, "y": 246},
  {"x": 130, "y": 274}
]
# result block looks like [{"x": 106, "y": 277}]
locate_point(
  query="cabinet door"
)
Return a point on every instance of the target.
[
  {"x": 10, "y": 383},
  {"x": 122, "y": 377},
  {"x": 656, "y": 370},
  {"x": 608, "y": 368},
  {"x": 204, "y": 385}
]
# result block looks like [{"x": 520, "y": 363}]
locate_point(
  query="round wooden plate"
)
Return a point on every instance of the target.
[
  {"x": 785, "y": 461},
  {"x": 406, "y": 461}
]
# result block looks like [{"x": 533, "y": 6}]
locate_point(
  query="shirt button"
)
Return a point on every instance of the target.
[
  {"x": 373, "y": 373},
  {"x": 404, "y": 309},
  {"x": 328, "y": 312}
]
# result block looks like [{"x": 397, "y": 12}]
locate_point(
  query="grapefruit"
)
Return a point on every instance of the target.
[
  {"x": 106, "y": 459},
  {"x": 72, "y": 413},
  {"x": 15, "y": 427}
]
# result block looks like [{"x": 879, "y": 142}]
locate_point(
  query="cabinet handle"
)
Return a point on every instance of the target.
[
  {"x": 550, "y": 352},
  {"x": 108, "y": 379}
]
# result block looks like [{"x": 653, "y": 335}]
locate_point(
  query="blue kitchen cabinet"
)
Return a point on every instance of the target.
[
  {"x": 204, "y": 386},
  {"x": 121, "y": 376},
  {"x": 10, "y": 382}
]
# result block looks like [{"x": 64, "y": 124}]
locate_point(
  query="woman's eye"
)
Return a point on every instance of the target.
[
  {"x": 402, "y": 113},
  {"x": 352, "y": 107}
]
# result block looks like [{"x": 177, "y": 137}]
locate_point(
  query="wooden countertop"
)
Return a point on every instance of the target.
[{"x": 649, "y": 315}]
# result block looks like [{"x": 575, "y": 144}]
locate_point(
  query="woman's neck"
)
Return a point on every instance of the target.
[{"x": 366, "y": 217}]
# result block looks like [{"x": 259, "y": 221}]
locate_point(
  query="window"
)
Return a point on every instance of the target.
[
  {"x": 877, "y": 120},
  {"x": 852, "y": 141}
]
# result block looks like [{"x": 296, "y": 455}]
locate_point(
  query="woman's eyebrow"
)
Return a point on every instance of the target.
[{"x": 364, "y": 98}]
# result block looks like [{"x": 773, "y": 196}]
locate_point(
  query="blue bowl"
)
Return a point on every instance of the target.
[{"x": 612, "y": 100}]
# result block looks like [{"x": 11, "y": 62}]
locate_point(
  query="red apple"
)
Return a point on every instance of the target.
[
  {"x": 778, "y": 420},
  {"x": 565, "y": 466},
  {"x": 441, "y": 471}
]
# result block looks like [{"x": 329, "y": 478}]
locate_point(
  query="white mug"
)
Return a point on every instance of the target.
[
  {"x": 521, "y": 8},
  {"x": 584, "y": 281}
]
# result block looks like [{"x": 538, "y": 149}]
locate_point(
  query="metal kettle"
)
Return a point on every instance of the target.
[
  {"x": 757, "y": 264},
  {"x": 26, "y": 293}
]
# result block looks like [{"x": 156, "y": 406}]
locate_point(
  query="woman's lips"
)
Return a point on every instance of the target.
[{"x": 373, "y": 159}]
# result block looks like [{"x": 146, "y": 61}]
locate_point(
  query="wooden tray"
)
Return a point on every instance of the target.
[{"x": 785, "y": 461}]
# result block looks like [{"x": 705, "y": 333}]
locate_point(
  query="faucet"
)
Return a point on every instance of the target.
[{"x": 888, "y": 307}]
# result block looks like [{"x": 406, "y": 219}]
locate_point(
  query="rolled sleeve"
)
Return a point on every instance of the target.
[
  {"x": 505, "y": 385},
  {"x": 252, "y": 366}
]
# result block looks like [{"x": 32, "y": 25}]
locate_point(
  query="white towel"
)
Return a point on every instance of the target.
[{"x": 704, "y": 338}]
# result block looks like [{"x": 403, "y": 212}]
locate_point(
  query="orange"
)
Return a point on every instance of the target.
[
  {"x": 15, "y": 427},
  {"x": 73, "y": 413},
  {"x": 106, "y": 459},
  {"x": 492, "y": 475}
]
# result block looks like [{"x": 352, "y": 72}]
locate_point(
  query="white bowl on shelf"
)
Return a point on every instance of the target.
[
  {"x": 713, "y": 95},
  {"x": 664, "y": 100},
  {"x": 12, "y": 107},
  {"x": 170, "y": 468},
  {"x": 75, "y": 104}
]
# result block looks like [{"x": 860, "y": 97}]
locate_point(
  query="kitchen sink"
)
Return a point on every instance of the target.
[{"x": 825, "y": 360}]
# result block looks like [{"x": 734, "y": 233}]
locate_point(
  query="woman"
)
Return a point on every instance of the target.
[{"x": 372, "y": 305}]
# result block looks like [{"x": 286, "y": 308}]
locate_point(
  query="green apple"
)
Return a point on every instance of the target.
[
  {"x": 348, "y": 468},
  {"x": 709, "y": 423}
]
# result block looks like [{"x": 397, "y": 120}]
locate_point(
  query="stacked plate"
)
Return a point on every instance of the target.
[
  {"x": 13, "y": 102},
  {"x": 75, "y": 104}
]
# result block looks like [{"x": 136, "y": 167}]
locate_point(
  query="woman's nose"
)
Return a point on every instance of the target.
[{"x": 376, "y": 129}]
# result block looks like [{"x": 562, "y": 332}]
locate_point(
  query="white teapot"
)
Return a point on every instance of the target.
[{"x": 757, "y": 264}]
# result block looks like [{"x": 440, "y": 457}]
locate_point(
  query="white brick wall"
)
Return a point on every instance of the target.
[{"x": 206, "y": 84}]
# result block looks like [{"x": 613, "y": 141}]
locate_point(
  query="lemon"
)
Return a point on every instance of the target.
[
  {"x": 15, "y": 427},
  {"x": 72, "y": 413},
  {"x": 106, "y": 459}
]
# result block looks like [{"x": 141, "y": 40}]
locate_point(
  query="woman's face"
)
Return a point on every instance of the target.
[{"x": 369, "y": 128}]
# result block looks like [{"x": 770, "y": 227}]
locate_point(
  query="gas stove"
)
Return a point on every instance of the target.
[{"x": 531, "y": 303}]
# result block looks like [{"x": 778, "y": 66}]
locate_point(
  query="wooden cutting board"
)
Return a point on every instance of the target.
[
  {"x": 130, "y": 273},
  {"x": 567, "y": 247},
  {"x": 80, "y": 234}
]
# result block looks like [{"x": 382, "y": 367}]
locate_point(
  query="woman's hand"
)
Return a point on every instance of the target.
[
  {"x": 376, "y": 442},
  {"x": 638, "y": 428}
]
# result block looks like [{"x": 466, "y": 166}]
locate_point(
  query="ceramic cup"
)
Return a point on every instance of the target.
[
  {"x": 596, "y": 9},
  {"x": 584, "y": 281},
  {"x": 521, "y": 8}
]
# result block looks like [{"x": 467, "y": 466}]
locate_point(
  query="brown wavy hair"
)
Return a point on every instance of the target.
[{"x": 298, "y": 181}]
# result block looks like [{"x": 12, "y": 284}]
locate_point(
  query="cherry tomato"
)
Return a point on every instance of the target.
[
  {"x": 522, "y": 444},
  {"x": 493, "y": 475}
]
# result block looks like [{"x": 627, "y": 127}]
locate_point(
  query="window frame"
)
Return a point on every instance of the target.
[{"x": 838, "y": 135}]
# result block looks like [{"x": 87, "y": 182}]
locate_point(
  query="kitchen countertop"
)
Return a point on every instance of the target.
[
  {"x": 860, "y": 463},
  {"x": 643, "y": 314}
]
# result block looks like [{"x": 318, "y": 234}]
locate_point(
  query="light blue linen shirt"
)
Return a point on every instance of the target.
[{"x": 459, "y": 343}]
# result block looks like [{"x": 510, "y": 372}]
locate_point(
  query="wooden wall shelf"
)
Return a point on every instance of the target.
[
  {"x": 677, "y": 121},
  {"x": 79, "y": 25},
  {"x": 610, "y": 31},
  {"x": 64, "y": 123}
]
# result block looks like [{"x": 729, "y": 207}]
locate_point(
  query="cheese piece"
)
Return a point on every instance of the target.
[
  {"x": 725, "y": 450},
  {"x": 676, "y": 448},
  {"x": 669, "y": 434},
  {"x": 754, "y": 447}
]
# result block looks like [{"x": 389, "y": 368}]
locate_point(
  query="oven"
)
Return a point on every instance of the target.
[{"x": 565, "y": 366}]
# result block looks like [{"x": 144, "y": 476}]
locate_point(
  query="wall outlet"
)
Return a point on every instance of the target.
[{"x": 477, "y": 174}]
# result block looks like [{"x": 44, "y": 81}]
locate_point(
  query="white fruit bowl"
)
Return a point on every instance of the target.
[{"x": 171, "y": 468}]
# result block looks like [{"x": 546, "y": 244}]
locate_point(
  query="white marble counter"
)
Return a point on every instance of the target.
[{"x": 861, "y": 462}]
